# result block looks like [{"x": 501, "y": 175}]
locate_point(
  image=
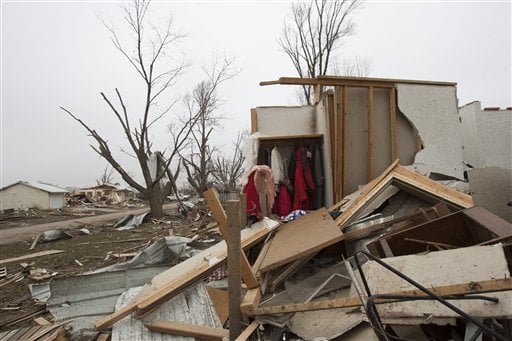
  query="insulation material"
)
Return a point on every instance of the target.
[
  {"x": 192, "y": 306},
  {"x": 464, "y": 265},
  {"x": 432, "y": 111}
]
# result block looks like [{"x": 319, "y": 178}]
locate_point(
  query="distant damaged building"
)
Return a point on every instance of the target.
[{"x": 31, "y": 194}]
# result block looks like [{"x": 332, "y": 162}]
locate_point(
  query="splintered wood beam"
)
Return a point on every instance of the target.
[
  {"x": 186, "y": 329},
  {"x": 251, "y": 300},
  {"x": 370, "y": 133},
  {"x": 392, "y": 111},
  {"x": 345, "y": 141},
  {"x": 492, "y": 285},
  {"x": 234, "y": 247},
  {"x": 212, "y": 199}
]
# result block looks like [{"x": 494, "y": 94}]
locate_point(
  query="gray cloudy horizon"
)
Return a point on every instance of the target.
[{"x": 59, "y": 54}]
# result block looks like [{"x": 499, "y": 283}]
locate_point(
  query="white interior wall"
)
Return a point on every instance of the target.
[
  {"x": 486, "y": 136},
  {"x": 283, "y": 121},
  {"x": 432, "y": 110}
]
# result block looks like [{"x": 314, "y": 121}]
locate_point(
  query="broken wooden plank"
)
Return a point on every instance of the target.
[
  {"x": 186, "y": 329},
  {"x": 36, "y": 239},
  {"x": 244, "y": 336},
  {"x": 251, "y": 300},
  {"x": 300, "y": 238},
  {"x": 31, "y": 255},
  {"x": 219, "y": 215},
  {"x": 42, "y": 321},
  {"x": 219, "y": 298},
  {"x": 479, "y": 287}
]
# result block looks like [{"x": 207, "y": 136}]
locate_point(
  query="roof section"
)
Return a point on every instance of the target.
[
  {"x": 39, "y": 185},
  {"x": 351, "y": 81}
]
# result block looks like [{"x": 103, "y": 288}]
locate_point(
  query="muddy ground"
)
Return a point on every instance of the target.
[{"x": 82, "y": 253}]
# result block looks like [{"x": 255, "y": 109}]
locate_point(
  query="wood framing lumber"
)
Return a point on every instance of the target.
[
  {"x": 251, "y": 300},
  {"x": 212, "y": 199},
  {"x": 492, "y": 285},
  {"x": 400, "y": 175},
  {"x": 30, "y": 255},
  {"x": 370, "y": 133},
  {"x": 219, "y": 299},
  {"x": 234, "y": 276},
  {"x": 185, "y": 329},
  {"x": 392, "y": 113},
  {"x": 351, "y": 81},
  {"x": 338, "y": 147},
  {"x": 345, "y": 125},
  {"x": 254, "y": 121},
  {"x": 175, "y": 280},
  {"x": 244, "y": 336}
]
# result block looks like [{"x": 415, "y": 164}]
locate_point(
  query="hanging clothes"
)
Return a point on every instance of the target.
[
  {"x": 277, "y": 166},
  {"x": 259, "y": 182},
  {"x": 282, "y": 204},
  {"x": 300, "y": 196}
]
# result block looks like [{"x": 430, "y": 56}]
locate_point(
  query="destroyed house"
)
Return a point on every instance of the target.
[{"x": 31, "y": 194}]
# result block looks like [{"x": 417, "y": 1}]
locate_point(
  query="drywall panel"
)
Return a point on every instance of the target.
[
  {"x": 463, "y": 265},
  {"x": 357, "y": 138},
  {"x": 486, "y": 136},
  {"x": 381, "y": 132},
  {"x": 322, "y": 125},
  {"x": 432, "y": 110},
  {"x": 282, "y": 121},
  {"x": 491, "y": 188}
]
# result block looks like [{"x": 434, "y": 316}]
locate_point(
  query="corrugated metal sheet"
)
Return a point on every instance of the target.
[{"x": 192, "y": 306}]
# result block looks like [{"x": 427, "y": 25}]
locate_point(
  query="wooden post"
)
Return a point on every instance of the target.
[
  {"x": 254, "y": 121},
  {"x": 345, "y": 141},
  {"x": 392, "y": 110},
  {"x": 234, "y": 246},
  {"x": 370, "y": 133},
  {"x": 338, "y": 145}
]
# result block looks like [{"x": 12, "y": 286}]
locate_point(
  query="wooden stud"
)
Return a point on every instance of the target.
[
  {"x": 254, "y": 121},
  {"x": 338, "y": 147},
  {"x": 318, "y": 93},
  {"x": 234, "y": 276},
  {"x": 392, "y": 110},
  {"x": 248, "y": 331},
  {"x": 251, "y": 300},
  {"x": 332, "y": 137},
  {"x": 370, "y": 133},
  {"x": 186, "y": 329},
  {"x": 213, "y": 201},
  {"x": 493, "y": 285},
  {"x": 345, "y": 141}
]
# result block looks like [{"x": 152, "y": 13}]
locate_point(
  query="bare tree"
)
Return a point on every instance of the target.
[
  {"x": 227, "y": 172},
  {"x": 203, "y": 103},
  {"x": 154, "y": 60},
  {"x": 316, "y": 30},
  {"x": 106, "y": 177},
  {"x": 354, "y": 67}
]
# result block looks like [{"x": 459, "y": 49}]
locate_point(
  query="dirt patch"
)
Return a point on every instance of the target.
[{"x": 82, "y": 253}]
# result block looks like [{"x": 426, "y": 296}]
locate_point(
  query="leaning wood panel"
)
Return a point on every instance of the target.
[
  {"x": 300, "y": 238},
  {"x": 493, "y": 285},
  {"x": 185, "y": 329}
]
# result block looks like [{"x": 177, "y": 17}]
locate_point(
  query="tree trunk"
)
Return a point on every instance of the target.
[{"x": 156, "y": 202}]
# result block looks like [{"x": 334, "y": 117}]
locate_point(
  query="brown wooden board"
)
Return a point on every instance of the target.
[
  {"x": 185, "y": 329},
  {"x": 219, "y": 298},
  {"x": 301, "y": 237}
]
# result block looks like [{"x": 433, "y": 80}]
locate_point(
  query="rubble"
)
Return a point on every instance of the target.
[{"x": 399, "y": 232}]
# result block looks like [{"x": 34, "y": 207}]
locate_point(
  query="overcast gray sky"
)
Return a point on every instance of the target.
[{"x": 59, "y": 54}]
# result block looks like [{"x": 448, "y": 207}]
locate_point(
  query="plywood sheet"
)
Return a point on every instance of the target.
[{"x": 301, "y": 237}]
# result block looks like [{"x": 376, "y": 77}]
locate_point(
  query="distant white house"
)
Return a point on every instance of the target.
[{"x": 31, "y": 194}]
